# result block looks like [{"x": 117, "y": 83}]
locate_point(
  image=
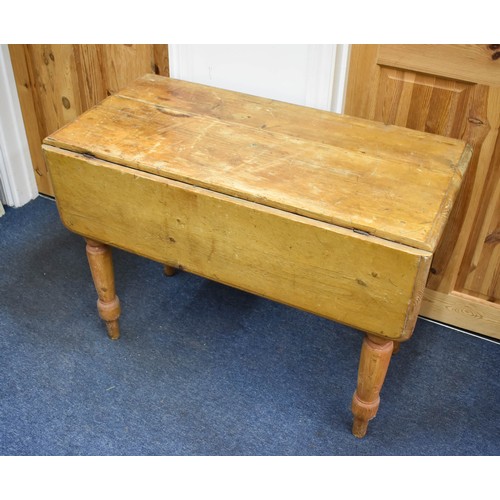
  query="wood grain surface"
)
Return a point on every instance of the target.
[
  {"x": 57, "y": 82},
  {"x": 454, "y": 91},
  {"x": 388, "y": 181},
  {"x": 308, "y": 264},
  {"x": 332, "y": 215}
]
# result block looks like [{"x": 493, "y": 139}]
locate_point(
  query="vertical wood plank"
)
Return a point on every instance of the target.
[
  {"x": 160, "y": 60},
  {"x": 480, "y": 274},
  {"x": 363, "y": 77},
  {"x": 88, "y": 61},
  {"x": 56, "y": 83},
  {"x": 34, "y": 125}
]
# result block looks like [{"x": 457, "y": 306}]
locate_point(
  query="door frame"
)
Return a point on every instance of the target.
[
  {"x": 325, "y": 78},
  {"x": 17, "y": 178}
]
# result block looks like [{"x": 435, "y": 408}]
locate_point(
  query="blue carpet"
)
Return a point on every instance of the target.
[{"x": 203, "y": 369}]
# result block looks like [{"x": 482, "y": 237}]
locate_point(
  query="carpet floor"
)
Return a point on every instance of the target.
[{"x": 204, "y": 369}]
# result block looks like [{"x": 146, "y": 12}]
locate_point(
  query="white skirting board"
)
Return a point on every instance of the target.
[{"x": 17, "y": 179}]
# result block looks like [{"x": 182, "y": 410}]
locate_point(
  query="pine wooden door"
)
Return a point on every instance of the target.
[
  {"x": 451, "y": 90},
  {"x": 56, "y": 83}
]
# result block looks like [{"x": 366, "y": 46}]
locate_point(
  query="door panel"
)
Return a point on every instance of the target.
[
  {"x": 56, "y": 83},
  {"x": 466, "y": 62},
  {"x": 423, "y": 102},
  {"x": 451, "y": 90}
]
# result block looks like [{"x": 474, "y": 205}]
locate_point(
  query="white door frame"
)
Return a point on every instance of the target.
[
  {"x": 16, "y": 169},
  {"x": 325, "y": 74}
]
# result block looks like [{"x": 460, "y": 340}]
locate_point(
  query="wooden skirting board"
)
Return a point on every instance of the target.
[{"x": 462, "y": 311}]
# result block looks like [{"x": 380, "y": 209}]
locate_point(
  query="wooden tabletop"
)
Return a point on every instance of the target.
[{"x": 388, "y": 181}]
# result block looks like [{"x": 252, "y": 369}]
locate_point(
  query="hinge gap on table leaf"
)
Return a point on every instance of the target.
[{"x": 360, "y": 231}]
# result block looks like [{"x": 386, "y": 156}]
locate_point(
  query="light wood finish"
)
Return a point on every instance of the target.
[
  {"x": 396, "y": 347},
  {"x": 262, "y": 165},
  {"x": 101, "y": 266},
  {"x": 56, "y": 83},
  {"x": 454, "y": 91},
  {"x": 305, "y": 263},
  {"x": 468, "y": 63},
  {"x": 329, "y": 214},
  {"x": 373, "y": 364},
  {"x": 462, "y": 311}
]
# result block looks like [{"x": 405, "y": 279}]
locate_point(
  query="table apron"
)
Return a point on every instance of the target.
[{"x": 360, "y": 280}]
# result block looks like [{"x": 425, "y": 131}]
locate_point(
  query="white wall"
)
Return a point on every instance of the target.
[
  {"x": 310, "y": 75},
  {"x": 16, "y": 171}
]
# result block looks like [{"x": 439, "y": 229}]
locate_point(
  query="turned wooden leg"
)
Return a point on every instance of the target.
[
  {"x": 375, "y": 357},
  {"x": 395, "y": 349},
  {"x": 101, "y": 267},
  {"x": 169, "y": 270}
]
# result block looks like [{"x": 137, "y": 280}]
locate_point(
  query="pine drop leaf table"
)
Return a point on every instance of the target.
[{"x": 327, "y": 213}]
